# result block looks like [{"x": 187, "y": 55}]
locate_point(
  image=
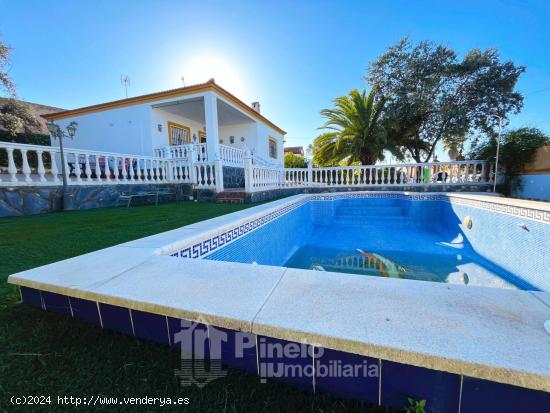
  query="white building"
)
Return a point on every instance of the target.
[{"x": 163, "y": 123}]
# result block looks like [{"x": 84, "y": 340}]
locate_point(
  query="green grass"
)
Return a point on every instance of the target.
[{"x": 48, "y": 354}]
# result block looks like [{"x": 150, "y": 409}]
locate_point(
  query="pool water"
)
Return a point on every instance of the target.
[
  {"x": 386, "y": 237},
  {"x": 449, "y": 268}
]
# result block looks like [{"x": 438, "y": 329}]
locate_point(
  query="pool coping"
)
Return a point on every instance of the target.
[{"x": 251, "y": 298}]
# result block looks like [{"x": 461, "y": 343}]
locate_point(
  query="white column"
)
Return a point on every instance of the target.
[
  {"x": 211, "y": 121},
  {"x": 218, "y": 175},
  {"x": 248, "y": 172}
]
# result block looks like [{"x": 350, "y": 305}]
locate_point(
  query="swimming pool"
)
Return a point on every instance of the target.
[
  {"x": 418, "y": 237},
  {"x": 484, "y": 344}
]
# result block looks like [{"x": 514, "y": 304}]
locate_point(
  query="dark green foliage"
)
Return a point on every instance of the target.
[
  {"x": 17, "y": 117},
  {"x": 433, "y": 97},
  {"x": 49, "y": 354},
  {"x": 295, "y": 161},
  {"x": 517, "y": 148},
  {"x": 355, "y": 132}
]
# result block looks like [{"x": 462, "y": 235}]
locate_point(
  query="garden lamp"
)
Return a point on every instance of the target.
[{"x": 57, "y": 132}]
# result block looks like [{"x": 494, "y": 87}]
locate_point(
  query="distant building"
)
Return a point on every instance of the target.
[{"x": 296, "y": 150}]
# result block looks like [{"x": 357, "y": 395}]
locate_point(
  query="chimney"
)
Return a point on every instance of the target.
[{"x": 256, "y": 106}]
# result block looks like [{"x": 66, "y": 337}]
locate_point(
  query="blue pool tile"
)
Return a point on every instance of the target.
[
  {"x": 56, "y": 303},
  {"x": 150, "y": 327},
  {"x": 235, "y": 348},
  {"x": 116, "y": 318},
  {"x": 285, "y": 360},
  {"x": 487, "y": 396},
  {"x": 189, "y": 338},
  {"x": 85, "y": 310},
  {"x": 31, "y": 296},
  {"x": 347, "y": 375},
  {"x": 440, "y": 390}
]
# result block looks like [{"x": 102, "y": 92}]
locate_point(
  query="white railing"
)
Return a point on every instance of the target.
[
  {"x": 265, "y": 178},
  {"x": 196, "y": 151},
  {"x": 417, "y": 174},
  {"x": 231, "y": 156},
  {"x": 206, "y": 176},
  {"x": 31, "y": 165}
]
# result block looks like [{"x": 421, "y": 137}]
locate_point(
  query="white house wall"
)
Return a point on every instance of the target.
[
  {"x": 160, "y": 117},
  {"x": 264, "y": 133},
  {"x": 134, "y": 130},
  {"x": 122, "y": 130},
  {"x": 246, "y": 130}
]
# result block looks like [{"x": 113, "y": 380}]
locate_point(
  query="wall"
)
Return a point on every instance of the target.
[
  {"x": 246, "y": 130},
  {"x": 253, "y": 247},
  {"x": 123, "y": 130},
  {"x": 264, "y": 133},
  {"x": 512, "y": 242},
  {"x": 534, "y": 181},
  {"x": 159, "y": 116},
  {"x": 531, "y": 186},
  {"x": 37, "y": 200},
  {"x": 233, "y": 177}
]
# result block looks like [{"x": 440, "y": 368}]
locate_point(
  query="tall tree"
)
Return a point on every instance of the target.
[
  {"x": 15, "y": 116},
  {"x": 6, "y": 84},
  {"x": 355, "y": 131},
  {"x": 435, "y": 97}
]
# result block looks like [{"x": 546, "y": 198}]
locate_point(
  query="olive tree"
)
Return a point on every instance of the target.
[
  {"x": 15, "y": 116},
  {"x": 434, "y": 97}
]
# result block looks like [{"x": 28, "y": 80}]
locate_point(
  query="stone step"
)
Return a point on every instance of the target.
[{"x": 231, "y": 197}]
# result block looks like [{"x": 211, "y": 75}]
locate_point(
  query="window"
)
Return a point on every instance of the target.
[
  {"x": 202, "y": 136},
  {"x": 178, "y": 134},
  {"x": 273, "y": 148}
]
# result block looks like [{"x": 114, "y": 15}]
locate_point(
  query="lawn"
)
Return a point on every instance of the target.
[{"x": 48, "y": 354}]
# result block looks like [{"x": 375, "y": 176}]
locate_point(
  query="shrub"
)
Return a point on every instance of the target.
[
  {"x": 517, "y": 148},
  {"x": 295, "y": 161}
]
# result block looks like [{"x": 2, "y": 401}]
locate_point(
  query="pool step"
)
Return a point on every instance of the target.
[
  {"x": 371, "y": 202},
  {"x": 394, "y": 221},
  {"x": 371, "y": 211}
]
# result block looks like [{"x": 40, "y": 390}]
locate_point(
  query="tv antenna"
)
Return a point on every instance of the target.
[
  {"x": 125, "y": 81},
  {"x": 182, "y": 81}
]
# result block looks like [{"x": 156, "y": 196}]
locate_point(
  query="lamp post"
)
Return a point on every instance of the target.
[
  {"x": 498, "y": 150},
  {"x": 58, "y": 133}
]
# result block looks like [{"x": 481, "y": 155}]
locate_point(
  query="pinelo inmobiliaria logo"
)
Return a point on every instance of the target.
[{"x": 203, "y": 347}]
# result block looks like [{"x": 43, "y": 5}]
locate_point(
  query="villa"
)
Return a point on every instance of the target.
[{"x": 205, "y": 115}]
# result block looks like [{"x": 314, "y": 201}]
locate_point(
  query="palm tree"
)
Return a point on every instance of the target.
[{"x": 356, "y": 132}]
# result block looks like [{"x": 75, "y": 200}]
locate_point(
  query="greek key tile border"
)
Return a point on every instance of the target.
[
  {"x": 521, "y": 212},
  {"x": 207, "y": 246}
]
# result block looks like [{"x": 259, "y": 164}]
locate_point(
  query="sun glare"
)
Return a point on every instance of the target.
[{"x": 226, "y": 73}]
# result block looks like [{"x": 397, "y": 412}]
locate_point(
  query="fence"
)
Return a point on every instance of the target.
[
  {"x": 30, "y": 165},
  {"x": 34, "y": 165},
  {"x": 417, "y": 174}
]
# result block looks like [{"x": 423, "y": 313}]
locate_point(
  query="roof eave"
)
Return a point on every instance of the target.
[{"x": 202, "y": 87}]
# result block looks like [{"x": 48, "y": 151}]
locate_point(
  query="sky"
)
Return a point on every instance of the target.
[{"x": 294, "y": 57}]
